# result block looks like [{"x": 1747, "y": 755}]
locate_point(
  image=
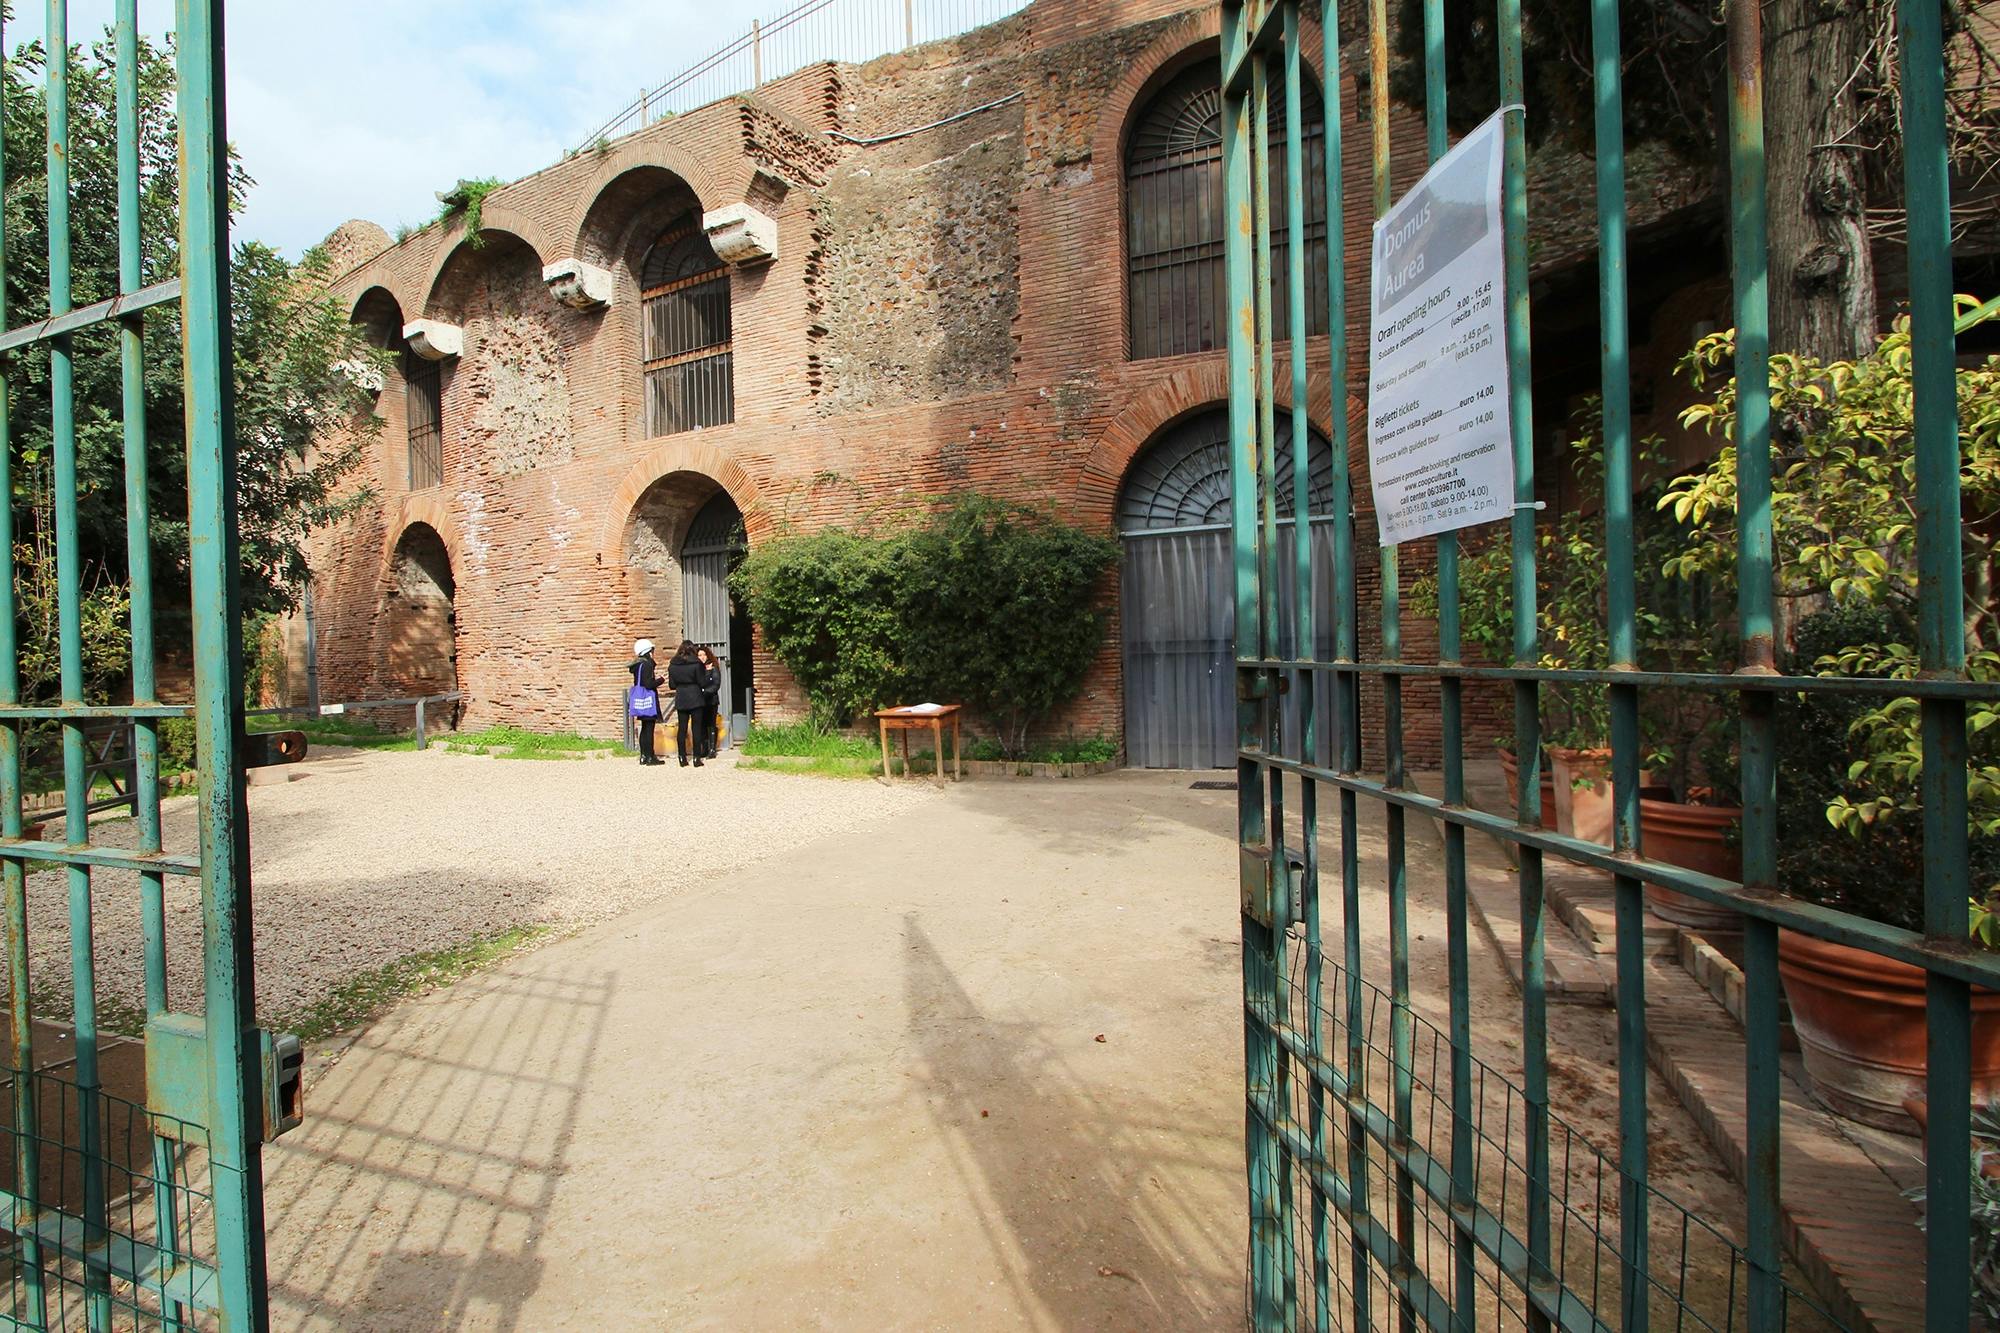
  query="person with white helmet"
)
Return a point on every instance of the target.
[{"x": 644, "y": 699}]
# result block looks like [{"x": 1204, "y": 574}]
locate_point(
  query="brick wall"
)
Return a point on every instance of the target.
[{"x": 946, "y": 310}]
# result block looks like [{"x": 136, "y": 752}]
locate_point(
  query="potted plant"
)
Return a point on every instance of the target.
[{"x": 1849, "y": 817}]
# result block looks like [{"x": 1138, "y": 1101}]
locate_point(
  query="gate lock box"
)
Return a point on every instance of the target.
[
  {"x": 284, "y": 1082},
  {"x": 177, "y": 1078}
]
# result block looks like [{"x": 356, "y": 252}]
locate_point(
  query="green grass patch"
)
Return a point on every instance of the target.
[
  {"x": 371, "y": 993},
  {"x": 806, "y": 740},
  {"x": 518, "y": 743}
]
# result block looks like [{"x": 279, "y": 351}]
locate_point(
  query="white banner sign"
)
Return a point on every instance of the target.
[{"x": 1440, "y": 446}]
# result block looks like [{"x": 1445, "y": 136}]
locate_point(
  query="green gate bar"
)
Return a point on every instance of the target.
[
  {"x": 1509, "y": 1248},
  {"x": 194, "y": 1149}
]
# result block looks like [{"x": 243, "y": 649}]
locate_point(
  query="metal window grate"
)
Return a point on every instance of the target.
[
  {"x": 1174, "y": 219},
  {"x": 685, "y": 334},
  {"x": 1394, "y": 1176},
  {"x": 423, "y": 408}
]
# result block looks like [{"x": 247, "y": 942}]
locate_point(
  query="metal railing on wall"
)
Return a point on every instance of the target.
[{"x": 845, "y": 30}]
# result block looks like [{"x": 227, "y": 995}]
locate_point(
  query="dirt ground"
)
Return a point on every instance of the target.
[{"x": 975, "y": 1065}]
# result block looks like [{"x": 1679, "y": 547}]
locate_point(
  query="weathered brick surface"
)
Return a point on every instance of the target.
[{"x": 946, "y": 310}]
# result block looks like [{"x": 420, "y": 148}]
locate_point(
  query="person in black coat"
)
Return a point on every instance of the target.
[
  {"x": 711, "y": 697},
  {"x": 646, "y": 676},
  {"x": 684, "y": 679}
]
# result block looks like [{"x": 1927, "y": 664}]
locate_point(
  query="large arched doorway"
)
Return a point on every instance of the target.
[
  {"x": 1177, "y": 591},
  {"x": 419, "y": 616},
  {"x": 713, "y": 614},
  {"x": 684, "y": 539}
]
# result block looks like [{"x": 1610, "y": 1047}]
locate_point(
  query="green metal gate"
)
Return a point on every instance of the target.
[
  {"x": 1393, "y": 1176},
  {"x": 142, "y": 1211}
]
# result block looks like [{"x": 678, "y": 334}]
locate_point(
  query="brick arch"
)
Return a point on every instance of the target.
[
  {"x": 664, "y": 460},
  {"x": 431, "y": 511},
  {"x": 1181, "y": 394},
  {"x": 635, "y": 155},
  {"x": 500, "y": 220}
]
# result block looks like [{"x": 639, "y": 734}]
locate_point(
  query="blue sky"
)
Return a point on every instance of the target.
[{"x": 367, "y": 108}]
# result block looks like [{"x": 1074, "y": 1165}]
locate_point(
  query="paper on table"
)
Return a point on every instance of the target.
[{"x": 924, "y": 708}]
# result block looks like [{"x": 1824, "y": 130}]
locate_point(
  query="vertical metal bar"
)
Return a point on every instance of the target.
[
  {"x": 229, "y": 1002},
  {"x": 312, "y": 649},
  {"x": 1347, "y": 684},
  {"x": 1451, "y": 710},
  {"x": 1260, "y": 1056},
  {"x": 1527, "y": 720},
  {"x": 1622, "y": 607},
  {"x": 1270, "y": 714},
  {"x": 1754, "y": 611},
  {"x": 1303, "y": 682},
  {"x": 756, "y": 54},
  {"x": 1401, "y": 1030},
  {"x": 1941, "y": 584},
  {"x": 420, "y": 724},
  {"x": 20, "y": 1004},
  {"x": 909, "y": 23},
  {"x": 69, "y": 633},
  {"x": 138, "y": 554}
]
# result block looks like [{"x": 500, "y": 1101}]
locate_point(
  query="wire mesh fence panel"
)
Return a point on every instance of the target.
[
  {"x": 131, "y": 1193},
  {"x": 1402, "y": 1171}
]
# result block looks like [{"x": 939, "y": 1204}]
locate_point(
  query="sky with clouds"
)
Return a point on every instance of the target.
[{"x": 368, "y": 108}]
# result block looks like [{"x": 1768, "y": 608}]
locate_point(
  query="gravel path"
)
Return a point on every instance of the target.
[{"x": 370, "y": 856}]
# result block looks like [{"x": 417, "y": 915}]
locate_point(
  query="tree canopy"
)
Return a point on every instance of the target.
[{"x": 302, "y": 417}]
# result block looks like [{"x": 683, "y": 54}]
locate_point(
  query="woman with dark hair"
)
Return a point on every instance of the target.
[
  {"x": 711, "y": 697},
  {"x": 684, "y": 679}
]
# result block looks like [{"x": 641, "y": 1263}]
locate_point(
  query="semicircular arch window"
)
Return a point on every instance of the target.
[
  {"x": 717, "y": 526},
  {"x": 1175, "y": 283},
  {"x": 1182, "y": 478}
]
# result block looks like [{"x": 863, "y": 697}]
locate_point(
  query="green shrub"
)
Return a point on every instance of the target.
[
  {"x": 989, "y": 604},
  {"x": 999, "y": 610},
  {"x": 826, "y": 603},
  {"x": 176, "y": 744}
]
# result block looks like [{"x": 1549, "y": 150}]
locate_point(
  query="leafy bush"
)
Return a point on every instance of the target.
[
  {"x": 827, "y": 604},
  {"x": 1844, "y": 536},
  {"x": 986, "y": 603},
  {"x": 999, "y": 611}
]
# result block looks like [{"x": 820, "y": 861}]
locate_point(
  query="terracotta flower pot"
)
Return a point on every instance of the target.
[
  {"x": 1694, "y": 837},
  {"x": 1583, "y": 793},
  {"x": 1860, "y": 1022},
  {"x": 1511, "y": 770}
]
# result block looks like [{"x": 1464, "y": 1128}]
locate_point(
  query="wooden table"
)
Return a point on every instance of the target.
[{"x": 909, "y": 718}]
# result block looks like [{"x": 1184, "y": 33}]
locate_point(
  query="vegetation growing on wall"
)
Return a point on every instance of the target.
[{"x": 985, "y": 603}]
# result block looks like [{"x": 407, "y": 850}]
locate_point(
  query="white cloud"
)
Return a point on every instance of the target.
[{"x": 369, "y": 108}]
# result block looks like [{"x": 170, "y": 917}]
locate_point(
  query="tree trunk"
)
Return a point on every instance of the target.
[{"x": 1822, "y": 272}]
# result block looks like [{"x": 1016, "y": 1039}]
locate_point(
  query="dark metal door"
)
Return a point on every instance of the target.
[{"x": 713, "y": 547}]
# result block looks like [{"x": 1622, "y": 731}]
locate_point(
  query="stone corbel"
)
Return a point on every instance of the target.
[
  {"x": 433, "y": 339},
  {"x": 741, "y": 235},
  {"x": 578, "y": 285}
]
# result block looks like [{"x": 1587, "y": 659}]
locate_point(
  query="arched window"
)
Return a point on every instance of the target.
[
  {"x": 1173, "y": 217},
  {"x": 684, "y": 337}
]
